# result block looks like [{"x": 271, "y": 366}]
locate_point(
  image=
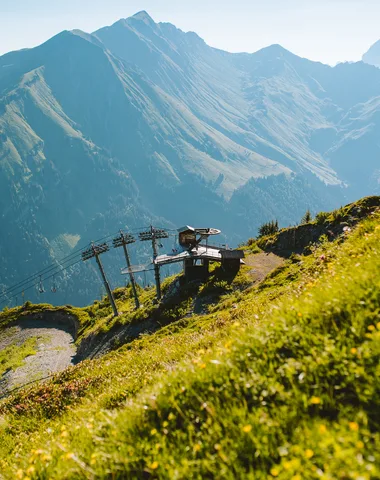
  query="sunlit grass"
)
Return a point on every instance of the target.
[
  {"x": 14, "y": 356},
  {"x": 278, "y": 380}
]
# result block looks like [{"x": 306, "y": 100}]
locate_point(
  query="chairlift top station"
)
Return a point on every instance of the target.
[
  {"x": 196, "y": 253},
  {"x": 194, "y": 250}
]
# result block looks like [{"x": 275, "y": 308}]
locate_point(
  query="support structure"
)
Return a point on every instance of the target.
[
  {"x": 123, "y": 240},
  {"x": 96, "y": 251},
  {"x": 153, "y": 235}
]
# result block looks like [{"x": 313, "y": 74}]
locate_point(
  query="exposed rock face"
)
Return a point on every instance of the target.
[{"x": 297, "y": 239}]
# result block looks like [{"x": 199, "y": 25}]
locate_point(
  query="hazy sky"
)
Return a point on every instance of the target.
[{"x": 326, "y": 30}]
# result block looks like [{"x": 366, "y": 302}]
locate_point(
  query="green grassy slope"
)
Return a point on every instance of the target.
[{"x": 278, "y": 380}]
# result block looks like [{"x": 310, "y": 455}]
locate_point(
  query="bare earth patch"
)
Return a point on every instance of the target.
[
  {"x": 55, "y": 351},
  {"x": 262, "y": 264}
]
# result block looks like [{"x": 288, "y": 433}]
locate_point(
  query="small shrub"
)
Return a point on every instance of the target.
[
  {"x": 321, "y": 218},
  {"x": 268, "y": 228},
  {"x": 337, "y": 215}
]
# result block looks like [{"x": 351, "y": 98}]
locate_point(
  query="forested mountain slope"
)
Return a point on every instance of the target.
[{"x": 140, "y": 122}]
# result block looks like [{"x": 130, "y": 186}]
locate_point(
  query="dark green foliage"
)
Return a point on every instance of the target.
[
  {"x": 307, "y": 218},
  {"x": 268, "y": 228},
  {"x": 321, "y": 217}
]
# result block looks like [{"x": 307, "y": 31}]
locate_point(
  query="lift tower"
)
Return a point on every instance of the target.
[
  {"x": 96, "y": 251},
  {"x": 153, "y": 235},
  {"x": 123, "y": 240}
]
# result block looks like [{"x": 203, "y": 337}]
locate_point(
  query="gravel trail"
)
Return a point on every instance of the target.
[{"x": 55, "y": 351}]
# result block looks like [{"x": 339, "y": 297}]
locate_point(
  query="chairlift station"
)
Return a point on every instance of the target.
[{"x": 196, "y": 252}]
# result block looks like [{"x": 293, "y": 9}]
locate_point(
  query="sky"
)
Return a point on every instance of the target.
[{"x": 329, "y": 31}]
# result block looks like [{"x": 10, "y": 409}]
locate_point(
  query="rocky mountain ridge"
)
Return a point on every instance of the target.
[{"x": 142, "y": 123}]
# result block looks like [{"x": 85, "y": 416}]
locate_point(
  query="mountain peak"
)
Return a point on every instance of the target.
[
  {"x": 143, "y": 16},
  {"x": 373, "y": 55}
]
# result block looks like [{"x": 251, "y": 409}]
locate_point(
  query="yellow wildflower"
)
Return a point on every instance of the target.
[
  {"x": 153, "y": 431},
  {"x": 247, "y": 428},
  {"x": 196, "y": 447},
  {"x": 154, "y": 466},
  {"x": 309, "y": 453},
  {"x": 274, "y": 472},
  {"x": 371, "y": 328},
  {"x": 353, "y": 426},
  {"x": 354, "y": 350},
  {"x": 322, "y": 428},
  {"x": 360, "y": 444},
  {"x": 315, "y": 400}
]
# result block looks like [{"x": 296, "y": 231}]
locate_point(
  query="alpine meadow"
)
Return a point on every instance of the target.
[{"x": 190, "y": 255}]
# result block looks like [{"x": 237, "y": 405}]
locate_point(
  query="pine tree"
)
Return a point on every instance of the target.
[
  {"x": 268, "y": 228},
  {"x": 307, "y": 218}
]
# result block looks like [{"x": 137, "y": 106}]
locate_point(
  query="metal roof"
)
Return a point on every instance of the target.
[
  {"x": 208, "y": 253},
  {"x": 185, "y": 229}
]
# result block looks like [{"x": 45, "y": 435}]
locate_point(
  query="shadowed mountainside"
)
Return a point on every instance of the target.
[{"x": 140, "y": 122}]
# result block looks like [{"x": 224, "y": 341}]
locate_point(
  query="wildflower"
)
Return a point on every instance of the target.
[
  {"x": 154, "y": 466},
  {"x": 153, "y": 431},
  {"x": 64, "y": 434},
  {"x": 274, "y": 472},
  {"x": 19, "y": 474},
  {"x": 353, "y": 426},
  {"x": 203, "y": 365},
  {"x": 322, "y": 429},
  {"x": 69, "y": 456},
  {"x": 354, "y": 350},
  {"x": 247, "y": 428},
  {"x": 315, "y": 400},
  {"x": 217, "y": 446},
  {"x": 309, "y": 453},
  {"x": 371, "y": 328},
  {"x": 196, "y": 447},
  {"x": 360, "y": 445},
  {"x": 299, "y": 314}
]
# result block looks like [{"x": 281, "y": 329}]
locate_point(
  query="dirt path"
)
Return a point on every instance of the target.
[
  {"x": 55, "y": 351},
  {"x": 262, "y": 264}
]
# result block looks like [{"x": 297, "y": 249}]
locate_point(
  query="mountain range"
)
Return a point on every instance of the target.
[{"x": 141, "y": 123}]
